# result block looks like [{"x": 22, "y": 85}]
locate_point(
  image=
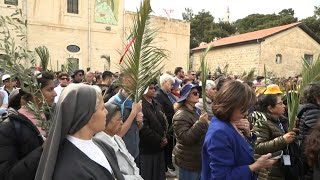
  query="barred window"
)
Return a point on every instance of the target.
[
  {"x": 11, "y": 2},
  {"x": 308, "y": 58},
  {"x": 73, "y": 6}
]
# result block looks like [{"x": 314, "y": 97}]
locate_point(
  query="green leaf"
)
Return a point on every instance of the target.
[
  {"x": 204, "y": 74},
  {"x": 143, "y": 62}
]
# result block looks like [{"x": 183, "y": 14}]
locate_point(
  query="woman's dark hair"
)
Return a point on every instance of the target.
[
  {"x": 311, "y": 93},
  {"x": 232, "y": 95},
  {"x": 312, "y": 145},
  {"x": 266, "y": 100},
  {"x": 44, "y": 79},
  {"x": 15, "y": 101}
]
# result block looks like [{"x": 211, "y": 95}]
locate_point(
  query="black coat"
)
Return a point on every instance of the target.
[
  {"x": 73, "y": 164},
  {"x": 20, "y": 147},
  {"x": 308, "y": 116},
  {"x": 154, "y": 127},
  {"x": 166, "y": 105}
]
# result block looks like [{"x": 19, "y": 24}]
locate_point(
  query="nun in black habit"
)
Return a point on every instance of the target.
[{"x": 69, "y": 152}]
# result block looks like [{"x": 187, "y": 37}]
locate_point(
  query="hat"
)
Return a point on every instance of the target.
[
  {"x": 260, "y": 90},
  {"x": 185, "y": 91},
  {"x": 273, "y": 89},
  {"x": 76, "y": 72},
  {"x": 6, "y": 76}
]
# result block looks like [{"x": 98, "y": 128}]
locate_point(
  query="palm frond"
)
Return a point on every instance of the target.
[
  {"x": 71, "y": 65},
  {"x": 44, "y": 56},
  {"x": 204, "y": 74},
  {"x": 248, "y": 76},
  {"x": 265, "y": 75},
  {"x": 310, "y": 73},
  {"x": 143, "y": 61}
]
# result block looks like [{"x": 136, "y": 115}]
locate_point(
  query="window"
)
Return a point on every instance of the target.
[
  {"x": 11, "y": 2},
  {"x": 308, "y": 58},
  {"x": 278, "y": 58},
  {"x": 73, "y": 6},
  {"x": 73, "y": 48}
]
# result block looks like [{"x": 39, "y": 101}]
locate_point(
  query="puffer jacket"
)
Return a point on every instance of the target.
[
  {"x": 20, "y": 147},
  {"x": 308, "y": 115},
  {"x": 270, "y": 139},
  {"x": 190, "y": 134}
]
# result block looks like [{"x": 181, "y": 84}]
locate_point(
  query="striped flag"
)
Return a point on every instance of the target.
[{"x": 131, "y": 39}]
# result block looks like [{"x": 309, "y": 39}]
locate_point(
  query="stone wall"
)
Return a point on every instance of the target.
[
  {"x": 240, "y": 58},
  {"x": 292, "y": 45},
  {"x": 173, "y": 35},
  {"x": 49, "y": 24}
]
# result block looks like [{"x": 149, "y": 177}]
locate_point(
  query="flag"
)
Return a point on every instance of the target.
[{"x": 131, "y": 39}]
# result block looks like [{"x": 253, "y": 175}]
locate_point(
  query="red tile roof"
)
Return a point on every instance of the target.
[{"x": 241, "y": 38}]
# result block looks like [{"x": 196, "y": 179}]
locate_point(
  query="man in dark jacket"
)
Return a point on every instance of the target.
[
  {"x": 166, "y": 82},
  {"x": 20, "y": 147},
  {"x": 152, "y": 137}
]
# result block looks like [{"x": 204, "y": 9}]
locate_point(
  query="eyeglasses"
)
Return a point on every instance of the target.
[
  {"x": 65, "y": 79},
  {"x": 80, "y": 74},
  {"x": 195, "y": 93},
  {"x": 280, "y": 103}
]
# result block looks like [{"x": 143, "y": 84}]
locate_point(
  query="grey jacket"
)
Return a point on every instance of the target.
[
  {"x": 209, "y": 104},
  {"x": 126, "y": 163}
]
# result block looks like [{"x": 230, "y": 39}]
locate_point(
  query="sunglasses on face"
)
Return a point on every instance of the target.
[
  {"x": 65, "y": 79},
  {"x": 195, "y": 93}
]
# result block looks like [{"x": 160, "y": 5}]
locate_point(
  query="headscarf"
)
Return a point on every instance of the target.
[{"x": 74, "y": 109}]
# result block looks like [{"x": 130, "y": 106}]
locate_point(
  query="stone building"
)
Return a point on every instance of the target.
[
  {"x": 85, "y": 30},
  {"x": 281, "y": 49}
]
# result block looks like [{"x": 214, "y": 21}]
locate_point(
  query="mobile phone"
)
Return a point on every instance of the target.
[{"x": 276, "y": 155}]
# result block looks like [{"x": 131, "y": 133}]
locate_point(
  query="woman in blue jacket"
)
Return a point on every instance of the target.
[{"x": 227, "y": 152}]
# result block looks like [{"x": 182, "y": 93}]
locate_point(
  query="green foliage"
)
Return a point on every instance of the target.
[
  {"x": 188, "y": 14},
  {"x": 71, "y": 66},
  {"x": 44, "y": 56},
  {"x": 16, "y": 59},
  {"x": 256, "y": 22},
  {"x": 248, "y": 76},
  {"x": 313, "y": 23},
  {"x": 204, "y": 74},
  {"x": 143, "y": 61},
  {"x": 310, "y": 73},
  {"x": 221, "y": 71},
  {"x": 204, "y": 29}
]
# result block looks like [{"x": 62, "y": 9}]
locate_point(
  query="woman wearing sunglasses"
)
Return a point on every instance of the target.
[{"x": 190, "y": 127}]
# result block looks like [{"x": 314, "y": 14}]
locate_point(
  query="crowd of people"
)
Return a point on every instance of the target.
[{"x": 98, "y": 132}]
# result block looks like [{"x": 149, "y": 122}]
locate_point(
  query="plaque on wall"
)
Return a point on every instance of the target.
[{"x": 11, "y": 2}]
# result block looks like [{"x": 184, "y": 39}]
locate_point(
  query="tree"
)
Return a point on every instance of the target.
[
  {"x": 313, "y": 22},
  {"x": 256, "y": 22},
  {"x": 204, "y": 29},
  {"x": 188, "y": 14}
]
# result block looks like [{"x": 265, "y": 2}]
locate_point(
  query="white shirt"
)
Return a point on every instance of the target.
[
  {"x": 92, "y": 151},
  {"x": 58, "y": 90}
]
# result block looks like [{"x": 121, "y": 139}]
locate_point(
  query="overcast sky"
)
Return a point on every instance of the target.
[{"x": 238, "y": 8}]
